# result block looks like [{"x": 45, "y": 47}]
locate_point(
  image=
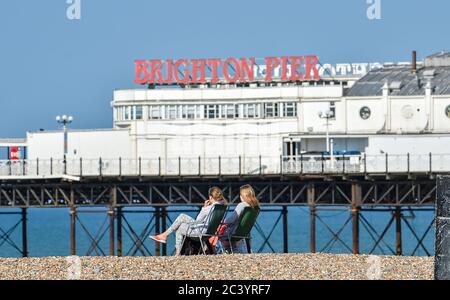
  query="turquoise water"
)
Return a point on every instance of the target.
[{"x": 49, "y": 231}]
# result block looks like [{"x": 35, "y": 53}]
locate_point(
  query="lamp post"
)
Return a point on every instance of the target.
[
  {"x": 64, "y": 120},
  {"x": 327, "y": 115}
]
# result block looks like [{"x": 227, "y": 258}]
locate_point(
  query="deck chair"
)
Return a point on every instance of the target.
[
  {"x": 243, "y": 230},
  {"x": 214, "y": 219}
]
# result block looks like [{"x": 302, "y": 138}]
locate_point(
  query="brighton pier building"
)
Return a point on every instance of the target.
[{"x": 396, "y": 116}]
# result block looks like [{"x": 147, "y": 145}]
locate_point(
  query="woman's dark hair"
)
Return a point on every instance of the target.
[{"x": 217, "y": 194}]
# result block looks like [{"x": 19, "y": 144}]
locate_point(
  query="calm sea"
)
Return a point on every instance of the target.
[{"x": 49, "y": 228}]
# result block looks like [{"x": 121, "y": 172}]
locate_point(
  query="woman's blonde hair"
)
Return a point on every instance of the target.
[
  {"x": 217, "y": 194},
  {"x": 249, "y": 196}
]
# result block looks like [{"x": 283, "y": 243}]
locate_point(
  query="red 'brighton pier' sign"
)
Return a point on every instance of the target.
[{"x": 198, "y": 71}]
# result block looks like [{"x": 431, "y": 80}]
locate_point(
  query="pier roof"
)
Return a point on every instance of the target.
[{"x": 404, "y": 81}]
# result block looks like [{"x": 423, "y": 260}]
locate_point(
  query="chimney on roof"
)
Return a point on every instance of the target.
[{"x": 414, "y": 62}]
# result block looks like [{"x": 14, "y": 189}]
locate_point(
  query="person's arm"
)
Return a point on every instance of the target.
[
  {"x": 234, "y": 217},
  {"x": 231, "y": 218},
  {"x": 203, "y": 214},
  {"x": 240, "y": 208}
]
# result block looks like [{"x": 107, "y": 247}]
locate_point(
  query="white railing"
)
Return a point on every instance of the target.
[{"x": 215, "y": 166}]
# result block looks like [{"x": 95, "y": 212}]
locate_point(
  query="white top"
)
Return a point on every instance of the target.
[
  {"x": 204, "y": 212},
  {"x": 202, "y": 217}
]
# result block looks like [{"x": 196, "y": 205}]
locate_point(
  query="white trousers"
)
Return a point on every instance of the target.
[{"x": 181, "y": 226}]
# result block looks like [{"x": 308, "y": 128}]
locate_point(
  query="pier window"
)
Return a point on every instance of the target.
[
  {"x": 127, "y": 113},
  {"x": 333, "y": 109},
  {"x": 119, "y": 113},
  {"x": 189, "y": 112},
  {"x": 123, "y": 113},
  {"x": 291, "y": 146},
  {"x": 155, "y": 112},
  {"x": 289, "y": 109},
  {"x": 171, "y": 111},
  {"x": 209, "y": 111},
  {"x": 138, "y": 112},
  {"x": 252, "y": 110},
  {"x": 271, "y": 110},
  {"x": 212, "y": 111},
  {"x": 228, "y": 111},
  {"x": 364, "y": 112}
]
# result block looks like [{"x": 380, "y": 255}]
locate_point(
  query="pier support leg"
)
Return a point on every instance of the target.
[
  {"x": 157, "y": 230},
  {"x": 119, "y": 231},
  {"x": 312, "y": 218},
  {"x": 442, "y": 255},
  {"x": 355, "y": 229},
  {"x": 111, "y": 215},
  {"x": 285, "y": 230},
  {"x": 111, "y": 231},
  {"x": 312, "y": 229},
  {"x": 164, "y": 227},
  {"x": 355, "y": 211},
  {"x": 24, "y": 233},
  {"x": 72, "y": 230},
  {"x": 398, "y": 230}
]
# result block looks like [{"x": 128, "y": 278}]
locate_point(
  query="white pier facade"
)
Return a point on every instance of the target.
[{"x": 393, "y": 119}]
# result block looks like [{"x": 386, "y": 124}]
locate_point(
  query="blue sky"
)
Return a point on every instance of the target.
[{"x": 51, "y": 65}]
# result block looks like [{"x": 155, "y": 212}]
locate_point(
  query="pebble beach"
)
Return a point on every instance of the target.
[{"x": 221, "y": 267}]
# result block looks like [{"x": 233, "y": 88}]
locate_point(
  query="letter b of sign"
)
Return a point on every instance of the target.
[
  {"x": 73, "y": 11},
  {"x": 374, "y": 9}
]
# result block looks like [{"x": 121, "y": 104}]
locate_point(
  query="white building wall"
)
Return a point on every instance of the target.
[
  {"x": 210, "y": 146},
  {"x": 414, "y": 144},
  {"x": 387, "y": 130},
  {"x": 404, "y": 106},
  {"x": 374, "y": 124},
  {"x": 45, "y": 145},
  {"x": 86, "y": 144},
  {"x": 253, "y": 137},
  {"x": 441, "y": 123}
]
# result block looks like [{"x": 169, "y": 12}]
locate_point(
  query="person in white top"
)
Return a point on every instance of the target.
[{"x": 183, "y": 222}]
